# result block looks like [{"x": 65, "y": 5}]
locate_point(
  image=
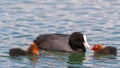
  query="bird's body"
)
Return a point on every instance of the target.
[
  {"x": 54, "y": 42},
  {"x": 32, "y": 50},
  {"x": 100, "y": 49},
  {"x": 61, "y": 42},
  {"x": 17, "y": 51}
]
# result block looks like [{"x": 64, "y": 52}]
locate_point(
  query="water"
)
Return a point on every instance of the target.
[{"x": 21, "y": 21}]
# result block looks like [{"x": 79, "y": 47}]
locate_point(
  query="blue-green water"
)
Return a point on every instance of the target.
[{"x": 21, "y": 21}]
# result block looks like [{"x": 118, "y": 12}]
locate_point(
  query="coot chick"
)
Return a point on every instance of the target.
[
  {"x": 32, "y": 50},
  {"x": 76, "y": 42},
  {"x": 100, "y": 49}
]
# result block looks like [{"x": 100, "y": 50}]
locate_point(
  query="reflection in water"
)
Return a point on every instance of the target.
[
  {"x": 31, "y": 58},
  {"x": 76, "y": 59},
  {"x": 73, "y": 59},
  {"x": 16, "y": 57},
  {"x": 104, "y": 56},
  {"x": 34, "y": 59}
]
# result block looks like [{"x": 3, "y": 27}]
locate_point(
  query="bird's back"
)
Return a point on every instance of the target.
[
  {"x": 110, "y": 50},
  {"x": 57, "y": 42},
  {"x": 17, "y": 52}
]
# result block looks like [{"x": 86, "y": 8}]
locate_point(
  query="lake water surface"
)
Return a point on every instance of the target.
[{"x": 21, "y": 21}]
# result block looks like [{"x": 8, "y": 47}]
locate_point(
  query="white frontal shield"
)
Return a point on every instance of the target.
[{"x": 86, "y": 43}]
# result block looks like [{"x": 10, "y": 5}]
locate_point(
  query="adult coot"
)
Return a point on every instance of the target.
[
  {"x": 100, "y": 49},
  {"x": 76, "y": 42},
  {"x": 32, "y": 50}
]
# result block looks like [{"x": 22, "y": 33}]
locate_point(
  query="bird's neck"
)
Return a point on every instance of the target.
[{"x": 32, "y": 50}]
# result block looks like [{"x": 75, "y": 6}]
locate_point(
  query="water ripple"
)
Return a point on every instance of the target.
[{"x": 22, "y": 21}]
